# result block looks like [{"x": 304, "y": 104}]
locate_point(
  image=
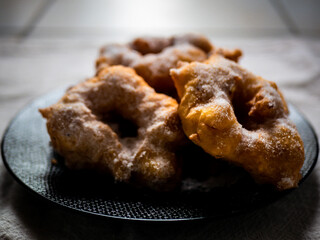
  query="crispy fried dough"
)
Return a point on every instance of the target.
[
  {"x": 240, "y": 117},
  {"x": 152, "y": 57},
  {"x": 79, "y": 133}
]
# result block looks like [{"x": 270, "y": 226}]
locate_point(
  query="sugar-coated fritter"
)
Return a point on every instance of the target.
[
  {"x": 79, "y": 133},
  {"x": 152, "y": 57},
  {"x": 240, "y": 117}
]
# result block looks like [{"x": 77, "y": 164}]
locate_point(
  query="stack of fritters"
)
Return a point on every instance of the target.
[{"x": 172, "y": 89}]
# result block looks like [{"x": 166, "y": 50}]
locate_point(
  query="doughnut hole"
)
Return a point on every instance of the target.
[
  {"x": 241, "y": 111},
  {"x": 256, "y": 103},
  {"x": 251, "y": 108},
  {"x": 123, "y": 127}
]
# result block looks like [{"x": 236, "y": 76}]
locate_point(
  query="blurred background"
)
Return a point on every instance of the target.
[
  {"x": 89, "y": 19},
  {"x": 50, "y": 44}
]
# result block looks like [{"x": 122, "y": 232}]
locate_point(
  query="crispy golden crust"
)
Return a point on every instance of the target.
[
  {"x": 152, "y": 57},
  {"x": 145, "y": 45},
  {"x": 85, "y": 141},
  {"x": 235, "y": 115},
  {"x": 231, "y": 54}
]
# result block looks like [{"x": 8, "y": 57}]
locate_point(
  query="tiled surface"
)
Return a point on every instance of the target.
[
  {"x": 88, "y": 19},
  {"x": 18, "y": 15},
  {"x": 68, "y": 18},
  {"x": 162, "y": 16},
  {"x": 305, "y": 15}
]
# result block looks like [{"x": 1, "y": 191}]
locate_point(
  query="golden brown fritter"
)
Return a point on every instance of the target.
[
  {"x": 240, "y": 117},
  {"x": 152, "y": 58},
  {"x": 79, "y": 133}
]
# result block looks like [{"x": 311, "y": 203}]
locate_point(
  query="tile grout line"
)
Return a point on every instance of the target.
[
  {"x": 40, "y": 11},
  {"x": 285, "y": 16}
]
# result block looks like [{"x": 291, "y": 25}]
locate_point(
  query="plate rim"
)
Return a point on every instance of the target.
[{"x": 119, "y": 218}]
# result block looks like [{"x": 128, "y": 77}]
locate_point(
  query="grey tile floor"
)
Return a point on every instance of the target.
[{"x": 86, "y": 19}]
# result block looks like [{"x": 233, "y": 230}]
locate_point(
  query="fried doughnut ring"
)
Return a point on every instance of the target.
[
  {"x": 235, "y": 115},
  {"x": 75, "y": 125},
  {"x": 152, "y": 57}
]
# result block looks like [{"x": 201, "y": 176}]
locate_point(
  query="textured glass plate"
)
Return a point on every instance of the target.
[{"x": 27, "y": 155}]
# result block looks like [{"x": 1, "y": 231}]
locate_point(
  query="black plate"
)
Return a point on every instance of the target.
[{"x": 27, "y": 155}]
